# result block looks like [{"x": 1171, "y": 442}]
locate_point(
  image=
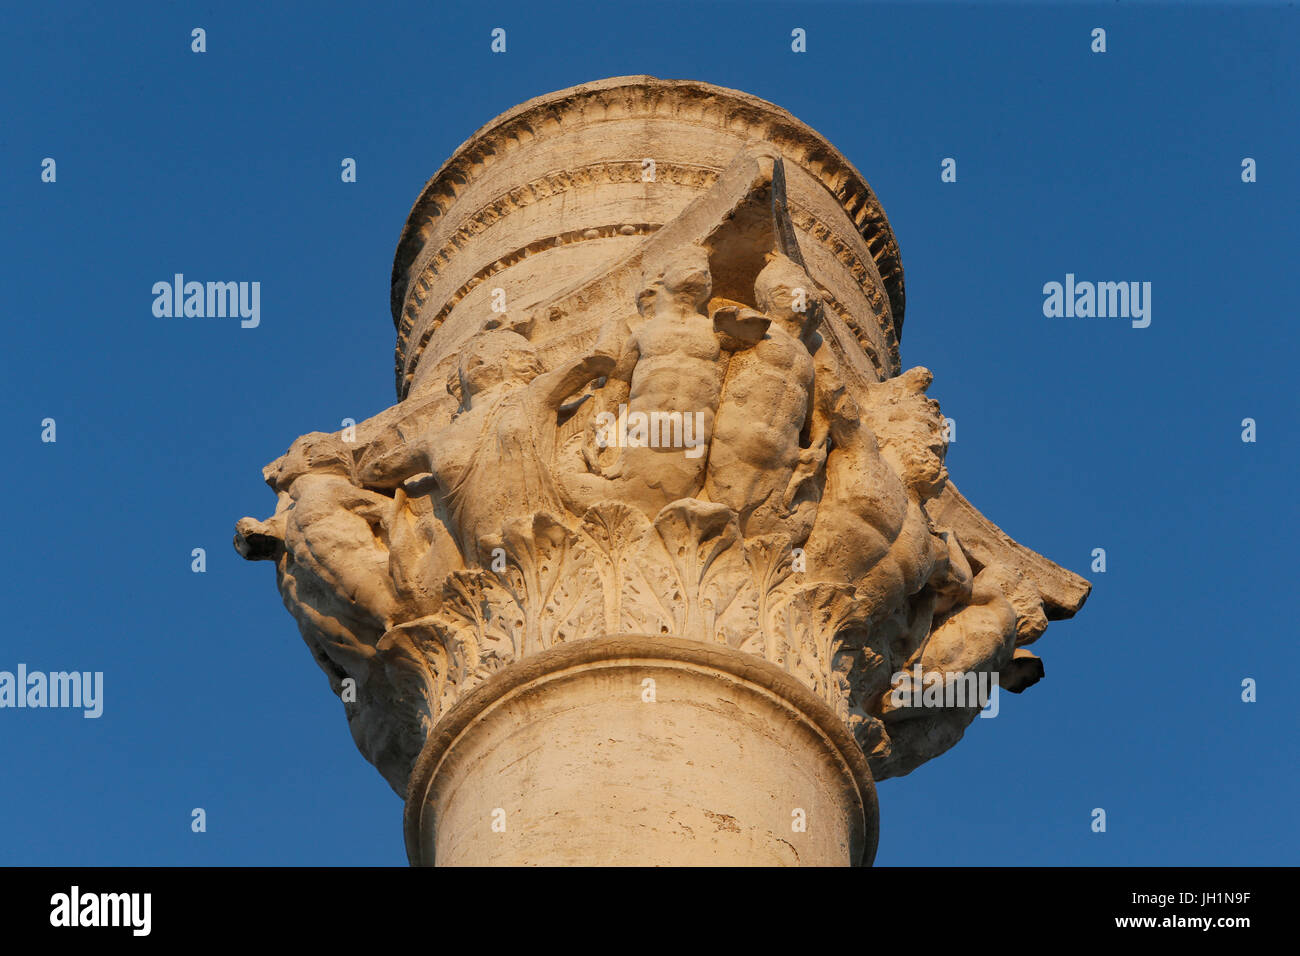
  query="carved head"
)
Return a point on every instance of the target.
[
  {"x": 845, "y": 419},
  {"x": 684, "y": 283},
  {"x": 318, "y": 453},
  {"x": 785, "y": 294},
  {"x": 497, "y": 357}
]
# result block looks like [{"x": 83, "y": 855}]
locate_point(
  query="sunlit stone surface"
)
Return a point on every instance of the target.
[{"x": 628, "y": 573}]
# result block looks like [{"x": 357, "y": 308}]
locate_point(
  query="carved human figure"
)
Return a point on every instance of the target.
[
  {"x": 329, "y": 540},
  {"x": 492, "y": 462},
  {"x": 756, "y": 463},
  {"x": 870, "y": 532},
  {"x": 671, "y": 367}
]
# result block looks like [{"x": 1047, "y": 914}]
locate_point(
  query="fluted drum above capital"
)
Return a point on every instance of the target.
[{"x": 574, "y": 179}]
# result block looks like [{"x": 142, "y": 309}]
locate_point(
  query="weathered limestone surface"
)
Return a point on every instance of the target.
[{"x": 499, "y": 563}]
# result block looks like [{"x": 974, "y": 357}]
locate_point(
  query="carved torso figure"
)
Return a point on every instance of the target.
[
  {"x": 767, "y": 408},
  {"x": 671, "y": 364}
]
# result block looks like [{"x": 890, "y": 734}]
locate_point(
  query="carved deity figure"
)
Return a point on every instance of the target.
[
  {"x": 871, "y": 528},
  {"x": 328, "y": 539},
  {"x": 757, "y": 464},
  {"x": 492, "y": 463},
  {"x": 670, "y": 369}
]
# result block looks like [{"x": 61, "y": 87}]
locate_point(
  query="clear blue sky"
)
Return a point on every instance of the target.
[{"x": 1073, "y": 434}]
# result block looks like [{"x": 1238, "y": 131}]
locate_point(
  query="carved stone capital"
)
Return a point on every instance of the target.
[{"x": 649, "y": 385}]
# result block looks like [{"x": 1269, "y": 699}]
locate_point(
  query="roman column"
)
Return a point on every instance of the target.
[{"x": 642, "y": 566}]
